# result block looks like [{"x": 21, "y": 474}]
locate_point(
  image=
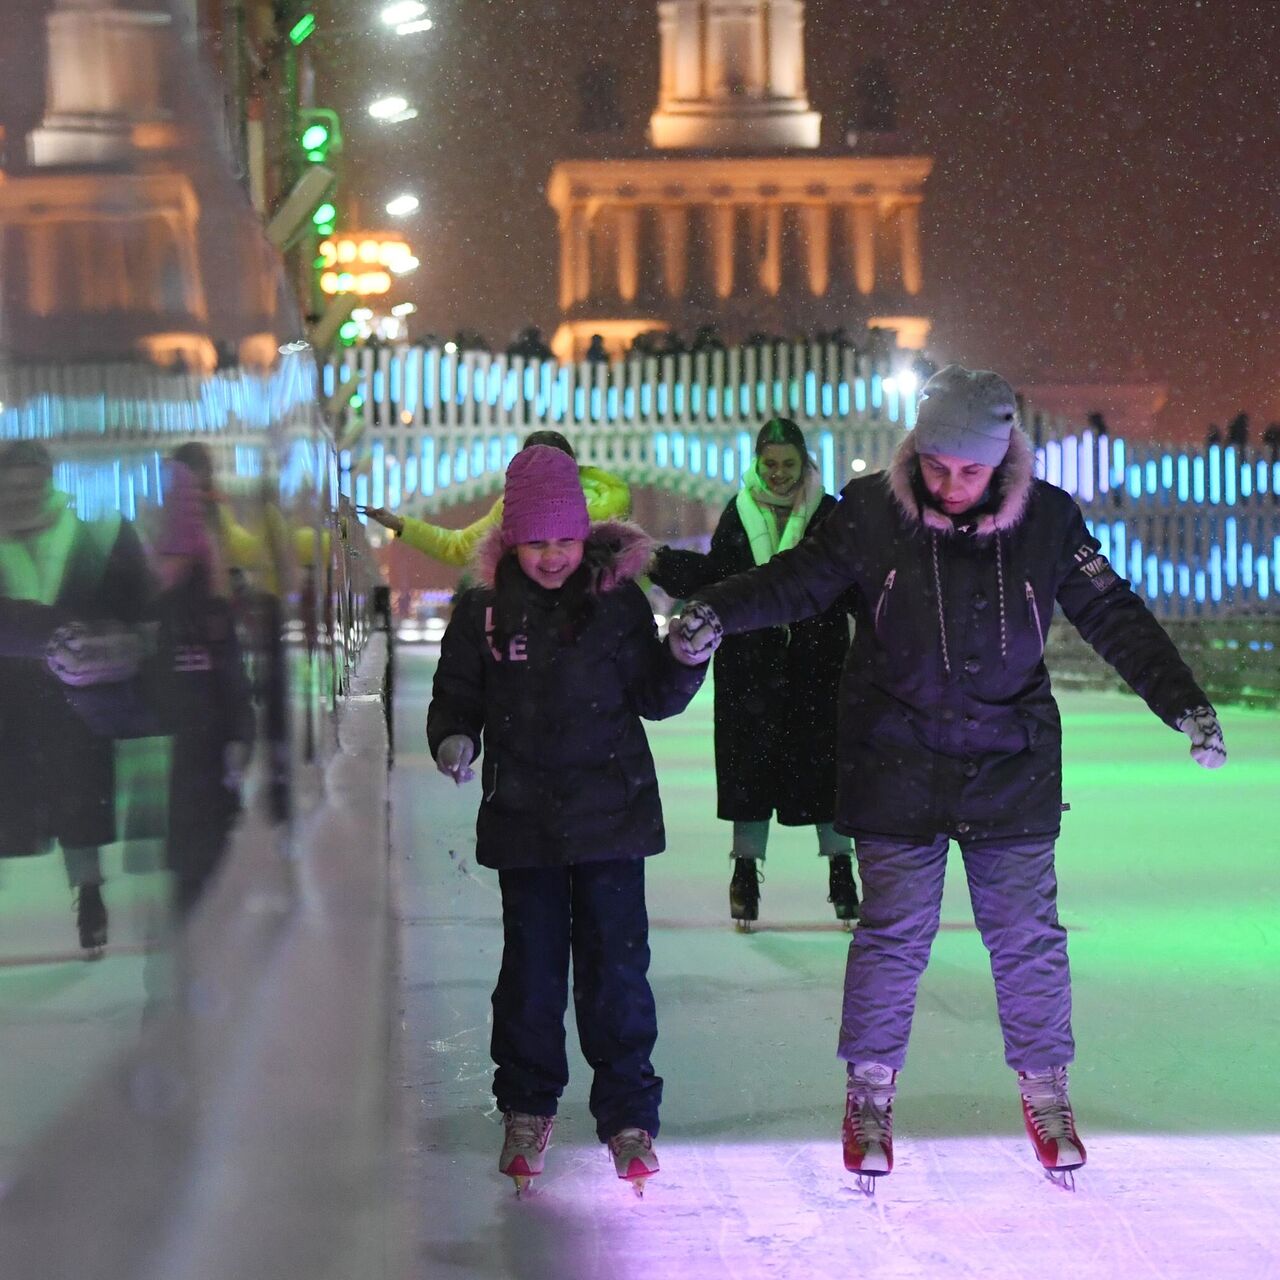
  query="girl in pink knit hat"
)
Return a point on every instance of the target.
[{"x": 550, "y": 666}]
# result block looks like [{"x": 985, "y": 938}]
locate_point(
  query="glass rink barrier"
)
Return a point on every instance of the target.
[{"x": 194, "y": 953}]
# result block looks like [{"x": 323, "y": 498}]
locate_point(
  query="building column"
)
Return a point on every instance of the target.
[
  {"x": 568, "y": 263},
  {"x": 860, "y": 219},
  {"x": 909, "y": 233},
  {"x": 674, "y": 220},
  {"x": 771, "y": 248},
  {"x": 42, "y": 259},
  {"x": 580, "y": 237},
  {"x": 628, "y": 223},
  {"x": 817, "y": 247},
  {"x": 722, "y": 222}
]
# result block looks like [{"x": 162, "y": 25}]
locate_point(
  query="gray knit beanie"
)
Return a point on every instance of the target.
[{"x": 967, "y": 414}]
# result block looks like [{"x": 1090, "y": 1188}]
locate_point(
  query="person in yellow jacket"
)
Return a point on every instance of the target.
[{"x": 608, "y": 498}]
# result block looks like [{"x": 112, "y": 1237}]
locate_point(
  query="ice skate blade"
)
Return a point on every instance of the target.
[
  {"x": 93, "y": 953},
  {"x": 866, "y": 1182},
  {"x": 524, "y": 1183},
  {"x": 637, "y": 1185},
  {"x": 744, "y": 926},
  {"x": 1064, "y": 1178}
]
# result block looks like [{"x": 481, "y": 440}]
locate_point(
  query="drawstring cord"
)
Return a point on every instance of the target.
[
  {"x": 1004, "y": 634},
  {"x": 942, "y": 621}
]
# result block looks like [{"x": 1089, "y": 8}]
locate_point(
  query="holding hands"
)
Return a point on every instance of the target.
[
  {"x": 455, "y": 756},
  {"x": 695, "y": 635},
  {"x": 1200, "y": 724}
]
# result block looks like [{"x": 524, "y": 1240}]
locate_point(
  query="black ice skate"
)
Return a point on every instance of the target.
[
  {"x": 1051, "y": 1125},
  {"x": 91, "y": 920},
  {"x": 744, "y": 893},
  {"x": 843, "y": 893}
]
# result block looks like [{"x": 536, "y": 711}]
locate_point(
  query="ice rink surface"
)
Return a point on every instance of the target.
[{"x": 1168, "y": 886}]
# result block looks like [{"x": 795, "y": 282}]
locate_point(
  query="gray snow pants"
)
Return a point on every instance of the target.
[{"x": 1014, "y": 894}]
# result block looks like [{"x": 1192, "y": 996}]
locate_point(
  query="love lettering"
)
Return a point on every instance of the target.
[{"x": 517, "y": 647}]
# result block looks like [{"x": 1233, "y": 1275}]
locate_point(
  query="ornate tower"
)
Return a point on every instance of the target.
[
  {"x": 732, "y": 76},
  {"x": 737, "y": 217}
]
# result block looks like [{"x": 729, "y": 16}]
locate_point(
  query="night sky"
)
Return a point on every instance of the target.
[{"x": 1103, "y": 204}]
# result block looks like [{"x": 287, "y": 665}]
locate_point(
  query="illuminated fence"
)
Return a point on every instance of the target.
[
  {"x": 439, "y": 427},
  {"x": 1197, "y": 532}
]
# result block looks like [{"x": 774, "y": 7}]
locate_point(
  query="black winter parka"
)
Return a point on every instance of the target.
[
  {"x": 567, "y": 775},
  {"x": 947, "y": 721},
  {"x": 776, "y": 690}
]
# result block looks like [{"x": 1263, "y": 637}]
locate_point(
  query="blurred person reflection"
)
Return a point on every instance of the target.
[
  {"x": 91, "y": 570},
  {"x": 200, "y": 690}
]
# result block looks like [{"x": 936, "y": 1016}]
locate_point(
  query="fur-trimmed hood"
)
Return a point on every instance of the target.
[
  {"x": 616, "y": 551},
  {"x": 1011, "y": 482}
]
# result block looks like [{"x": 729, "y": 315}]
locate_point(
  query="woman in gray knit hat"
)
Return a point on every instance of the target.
[{"x": 957, "y": 556}]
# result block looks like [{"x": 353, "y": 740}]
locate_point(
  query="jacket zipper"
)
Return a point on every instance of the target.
[
  {"x": 1035, "y": 614},
  {"x": 884, "y": 598}
]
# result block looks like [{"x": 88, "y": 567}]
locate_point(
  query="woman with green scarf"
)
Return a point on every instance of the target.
[{"x": 775, "y": 690}]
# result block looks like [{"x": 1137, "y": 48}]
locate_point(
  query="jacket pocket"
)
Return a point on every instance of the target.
[
  {"x": 882, "y": 603},
  {"x": 491, "y": 781},
  {"x": 1034, "y": 611}
]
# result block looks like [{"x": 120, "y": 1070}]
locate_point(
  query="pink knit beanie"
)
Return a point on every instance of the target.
[
  {"x": 543, "y": 499},
  {"x": 182, "y": 530}
]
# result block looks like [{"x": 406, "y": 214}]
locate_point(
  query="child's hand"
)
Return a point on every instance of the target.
[{"x": 455, "y": 756}]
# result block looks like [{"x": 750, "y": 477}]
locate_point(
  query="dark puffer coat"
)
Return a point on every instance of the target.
[
  {"x": 776, "y": 690},
  {"x": 567, "y": 775},
  {"x": 947, "y": 721}
]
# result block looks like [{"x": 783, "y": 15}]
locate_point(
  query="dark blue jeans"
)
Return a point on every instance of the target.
[{"x": 594, "y": 912}]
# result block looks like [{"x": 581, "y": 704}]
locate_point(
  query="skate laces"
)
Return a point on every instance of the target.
[
  {"x": 524, "y": 1130},
  {"x": 870, "y": 1108},
  {"x": 630, "y": 1140},
  {"x": 1045, "y": 1094}
]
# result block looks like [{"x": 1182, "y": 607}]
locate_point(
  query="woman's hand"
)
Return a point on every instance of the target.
[{"x": 387, "y": 519}]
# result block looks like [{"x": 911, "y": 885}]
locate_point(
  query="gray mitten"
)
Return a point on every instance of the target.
[
  {"x": 454, "y": 758},
  {"x": 79, "y": 655},
  {"x": 1200, "y": 724},
  {"x": 695, "y": 635}
]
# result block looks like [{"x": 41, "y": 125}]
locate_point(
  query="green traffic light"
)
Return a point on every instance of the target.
[
  {"x": 315, "y": 137},
  {"x": 327, "y": 212},
  {"x": 302, "y": 28},
  {"x": 349, "y": 332}
]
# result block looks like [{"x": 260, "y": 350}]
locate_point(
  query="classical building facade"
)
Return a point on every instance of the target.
[{"x": 736, "y": 216}]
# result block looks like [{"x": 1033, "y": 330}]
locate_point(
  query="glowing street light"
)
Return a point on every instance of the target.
[
  {"x": 402, "y": 205},
  {"x": 395, "y": 15},
  {"x": 392, "y": 107}
]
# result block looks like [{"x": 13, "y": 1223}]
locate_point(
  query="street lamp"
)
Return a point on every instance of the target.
[
  {"x": 395, "y": 15},
  {"x": 402, "y": 205},
  {"x": 385, "y": 108}
]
